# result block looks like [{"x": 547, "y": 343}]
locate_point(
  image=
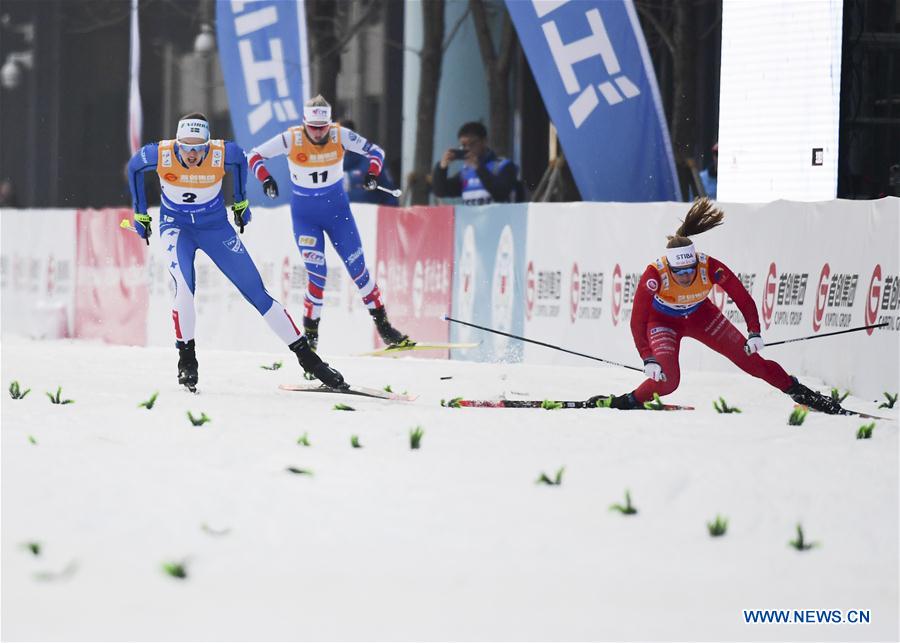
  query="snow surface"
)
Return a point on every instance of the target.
[{"x": 454, "y": 541}]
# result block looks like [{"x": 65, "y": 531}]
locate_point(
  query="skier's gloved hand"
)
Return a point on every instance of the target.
[
  {"x": 242, "y": 214},
  {"x": 754, "y": 344},
  {"x": 371, "y": 182},
  {"x": 653, "y": 370},
  {"x": 142, "y": 226},
  {"x": 270, "y": 187}
]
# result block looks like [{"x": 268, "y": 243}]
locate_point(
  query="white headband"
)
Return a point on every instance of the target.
[
  {"x": 317, "y": 113},
  {"x": 192, "y": 128},
  {"x": 683, "y": 257}
]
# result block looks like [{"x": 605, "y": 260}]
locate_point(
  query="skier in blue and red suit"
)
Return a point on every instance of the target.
[{"x": 319, "y": 205}]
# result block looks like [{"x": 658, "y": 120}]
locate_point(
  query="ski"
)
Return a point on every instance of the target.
[
  {"x": 540, "y": 404},
  {"x": 394, "y": 350},
  {"x": 845, "y": 412},
  {"x": 360, "y": 391}
]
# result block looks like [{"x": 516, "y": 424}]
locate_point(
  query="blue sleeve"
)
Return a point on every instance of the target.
[
  {"x": 236, "y": 163},
  {"x": 143, "y": 161}
]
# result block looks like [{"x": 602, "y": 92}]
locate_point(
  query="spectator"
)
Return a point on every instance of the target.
[
  {"x": 710, "y": 175},
  {"x": 484, "y": 177},
  {"x": 356, "y": 166}
]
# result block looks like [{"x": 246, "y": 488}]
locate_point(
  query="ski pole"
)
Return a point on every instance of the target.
[
  {"x": 837, "y": 332},
  {"x": 533, "y": 341},
  {"x": 395, "y": 193}
]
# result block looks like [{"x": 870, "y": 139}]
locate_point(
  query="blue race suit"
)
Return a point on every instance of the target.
[{"x": 200, "y": 221}]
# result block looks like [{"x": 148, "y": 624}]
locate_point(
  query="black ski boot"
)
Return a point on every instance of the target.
[
  {"x": 389, "y": 335},
  {"x": 187, "y": 365},
  {"x": 623, "y": 402},
  {"x": 311, "y": 330},
  {"x": 807, "y": 397},
  {"x": 312, "y": 363}
]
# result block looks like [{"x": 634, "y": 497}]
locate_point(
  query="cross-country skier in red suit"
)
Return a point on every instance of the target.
[{"x": 672, "y": 302}]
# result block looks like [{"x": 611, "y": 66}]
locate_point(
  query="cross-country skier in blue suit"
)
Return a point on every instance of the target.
[{"x": 193, "y": 216}]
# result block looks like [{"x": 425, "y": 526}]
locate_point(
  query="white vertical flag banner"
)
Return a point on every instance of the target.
[{"x": 135, "y": 112}]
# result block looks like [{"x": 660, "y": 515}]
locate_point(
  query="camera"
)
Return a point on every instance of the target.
[{"x": 459, "y": 154}]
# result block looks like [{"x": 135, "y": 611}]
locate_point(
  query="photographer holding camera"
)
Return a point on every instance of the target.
[{"x": 484, "y": 177}]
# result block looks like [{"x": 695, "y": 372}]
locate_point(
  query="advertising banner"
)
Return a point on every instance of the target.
[
  {"x": 415, "y": 269},
  {"x": 37, "y": 272},
  {"x": 111, "y": 293},
  {"x": 488, "y": 280},
  {"x": 597, "y": 81},
  {"x": 264, "y": 58}
]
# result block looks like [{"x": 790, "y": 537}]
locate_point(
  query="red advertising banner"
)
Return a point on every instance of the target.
[
  {"x": 415, "y": 270},
  {"x": 111, "y": 294}
]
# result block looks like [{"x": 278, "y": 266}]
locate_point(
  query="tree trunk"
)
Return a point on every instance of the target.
[
  {"x": 326, "y": 55},
  {"x": 684, "y": 88},
  {"x": 426, "y": 108},
  {"x": 497, "y": 66}
]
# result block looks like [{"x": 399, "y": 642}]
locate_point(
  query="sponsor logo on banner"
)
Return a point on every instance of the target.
[
  {"x": 783, "y": 297},
  {"x": 529, "y": 290},
  {"x": 465, "y": 286},
  {"x": 624, "y": 288},
  {"x": 834, "y": 291},
  {"x": 586, "y": 292},
  {"x": 503, "y": 288},
  {"x": 544, "y": 292},
  {"x": 883, "y": 301},
  {"x": 418, "y": 288}
]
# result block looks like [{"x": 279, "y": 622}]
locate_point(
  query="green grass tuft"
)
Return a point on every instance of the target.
[
  {"x": 555, "y": 481},
  {"x": 891, "y": 400},
  {"x": 415, "y": 437},
  {"x": 298, "y": 471},
  {"x": 798, "y": 416},
  {"x": 721, "y": 406},
  {"x": 56, "y": 399},
  {"x": 340, "y": 406},
  {"x": 31, "y": 439},
  {"x": 837, "y": 396},
  {"x": 304, "y": 440},
  {"x": 148, "y": 404},
  {"x": 176, "y": 569},
  {"x": 33, "y": 547},
  {"x": 388, "y": 389},
  {"x": 15, "y": 392},
  {"x": 354, "y": 442},
  {"x": 274, "y": 367},
  {"x": 452, "y": 403},
  {"x": 865, "y": 431},
  {"x": 627, "y": 509},
  {"x": 718, "y": 527},
  {"x": 200, "y": 421},
  {"x": 799, "y": 543}
]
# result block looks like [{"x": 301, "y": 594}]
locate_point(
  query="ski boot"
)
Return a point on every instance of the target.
[
  {"x": 807, "y": 397},
  {"x": 623, "y": 402},
  {"x": 312, "y": 363},
  {"x": 389, "y": 335},
  {"x": 187, "y": 365},
  {"x": 311, "y": 330}
]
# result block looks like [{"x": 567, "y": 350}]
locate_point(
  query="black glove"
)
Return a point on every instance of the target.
[
  {"x": 270, "y": 187},
  {"x": 242, "y": 214},
  {"x": 371, "y": 182}
]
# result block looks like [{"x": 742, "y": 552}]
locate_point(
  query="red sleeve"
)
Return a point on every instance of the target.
[
  {"x": 257, "y": 167},
  {"x": 643, "y": 302},
  {"x": 722, "y": 275}
]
